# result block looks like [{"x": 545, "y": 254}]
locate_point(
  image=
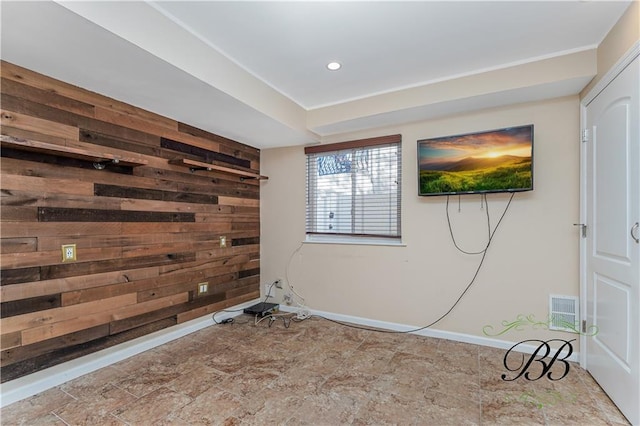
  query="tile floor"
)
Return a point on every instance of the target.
[{"x": 314, "y": 372}]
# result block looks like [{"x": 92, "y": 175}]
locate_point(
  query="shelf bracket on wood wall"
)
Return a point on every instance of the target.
[{"x": 195, "y": 166}]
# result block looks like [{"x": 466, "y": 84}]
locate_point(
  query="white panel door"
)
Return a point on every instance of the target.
[{"x": 612, "y": 251}]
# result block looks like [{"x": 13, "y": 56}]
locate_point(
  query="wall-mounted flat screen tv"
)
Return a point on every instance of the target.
[{"x": 492, "y": 161}]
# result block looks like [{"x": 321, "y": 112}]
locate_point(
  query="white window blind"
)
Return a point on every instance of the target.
[{"x": 354, "y": 188}]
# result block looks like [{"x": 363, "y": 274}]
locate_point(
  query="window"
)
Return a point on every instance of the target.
[{"x": 353, "y": 188}]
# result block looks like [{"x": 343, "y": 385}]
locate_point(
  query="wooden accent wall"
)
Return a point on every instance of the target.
[{"x": 146, "y": 235}]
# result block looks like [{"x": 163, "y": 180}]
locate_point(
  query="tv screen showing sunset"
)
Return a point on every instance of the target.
[{"x": 493, "y": 161}]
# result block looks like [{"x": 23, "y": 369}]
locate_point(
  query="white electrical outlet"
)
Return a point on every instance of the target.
[
  {"x": 203, "y": 288},
  {"x": 288, "y": 299},
  {"x": 68, "y": 252}
]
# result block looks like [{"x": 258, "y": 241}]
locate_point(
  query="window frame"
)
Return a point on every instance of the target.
[{"x": 314, "y": 236}]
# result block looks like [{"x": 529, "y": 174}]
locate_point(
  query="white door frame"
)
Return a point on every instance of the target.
[{"x": 622, "y": 63}]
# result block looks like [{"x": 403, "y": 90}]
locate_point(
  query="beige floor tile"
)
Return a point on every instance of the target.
[
  {"x": 375, "y": 346},
  {"x": 441, "y": 409},
  {"x": 213, "y": 406},
  {"x": 324, "y": 361},
  {"x": 403, "y": 362},
  {"x": 493, "y": 381},
  {"x": 458, "y": 384},
  {"x": 569, "y": 412},
  {"x": 269, "y": 409},
  {"x": 368, "y": 363},
  {"x": 457, "y": 362},
  {"x": 404, "y": 385},
  {"x": 319, "y": 373},
  {"x": 297, "y": 381},
  {"x": 35, "y": 409},
  {"x": 512, "y": 407},
  {"x": 86, "y": 414},
  {"x": 93, "y": 383},
  {"x": 295, "y": 347},
  {"x": 388, "y": 409},
  {"x": 48, "y": 419},
  {"x": 411, "y": 343},
  {"x": 249, "y": 381},
  {"x": 103, "y": 400},
  {"x": 152, "y": 407},
  {"x": 196, "y": 381},
  {"x": 148, "y": 378},
  {"x": 352, "y": 387},
  {"x": 458, "y": 348},
  {"x": 226, "y": 361},
  {"x": 325, "y": 408}
]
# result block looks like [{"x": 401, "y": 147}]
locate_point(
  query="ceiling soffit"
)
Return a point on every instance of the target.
[{"x": 264, "y": 117}]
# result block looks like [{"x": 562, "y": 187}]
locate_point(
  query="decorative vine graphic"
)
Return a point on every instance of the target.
[
  {"x": 542, "y": 399},
  {"x": 522, "y": 321}
]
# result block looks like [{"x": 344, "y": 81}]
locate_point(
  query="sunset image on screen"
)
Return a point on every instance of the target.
[{"x": 494, "y": 161}]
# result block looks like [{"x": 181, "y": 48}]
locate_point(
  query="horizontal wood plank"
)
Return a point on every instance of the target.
[
  {"x": 21, "y": 353},
  {"x": 34, "y": 124},
  {"x": 10, "y": 340},
  {"x": 102, "y": 190},
  {"x": 19, "y": 245},
  {"x": 53, "y": 214},
  {"x": 19, "y": 275},
  {"x": 35, "y": 287},
  {"x": 54, "y": 257},
  {"x": 45, "y": 97},
  {"x": 19, "y": 214},
  {"x": 52, "y": 316},
  {"x": 231, "y": 147},
  {"x": 62, "y": 229},
  {"x": 96, "y": 267},
  {"x": 36, "y": 184},
  {"x": 34, "y": 304}
]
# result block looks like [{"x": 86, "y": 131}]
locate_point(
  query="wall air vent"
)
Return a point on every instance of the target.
[{"x": 563, "y": 313}]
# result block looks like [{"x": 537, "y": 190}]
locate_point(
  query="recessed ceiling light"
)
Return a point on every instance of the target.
[{"x": 334, "y": 66}]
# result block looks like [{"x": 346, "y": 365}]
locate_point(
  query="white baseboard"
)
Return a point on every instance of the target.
[
  {"x": 26, "y": 386},
  {"x": 429, "y": 332}
]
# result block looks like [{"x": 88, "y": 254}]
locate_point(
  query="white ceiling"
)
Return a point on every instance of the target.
[
  {"x": 255, "y": 71},
  {"x": 385, "y": 46}
]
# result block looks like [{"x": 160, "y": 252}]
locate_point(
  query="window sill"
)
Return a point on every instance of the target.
[{"x": 349, "y": 240}]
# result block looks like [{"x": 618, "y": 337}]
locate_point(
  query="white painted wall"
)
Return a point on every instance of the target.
[{"x": 533, "y": 254}]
